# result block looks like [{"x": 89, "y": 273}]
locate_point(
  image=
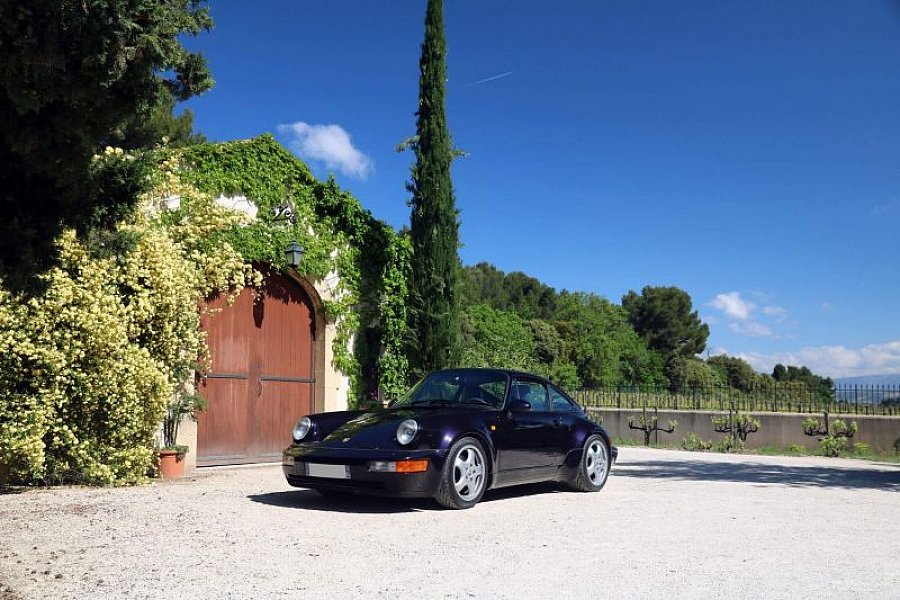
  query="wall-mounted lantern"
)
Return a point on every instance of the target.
[{"x": 294, "y": 254}]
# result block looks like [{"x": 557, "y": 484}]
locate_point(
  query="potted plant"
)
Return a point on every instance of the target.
[{"x": 185, "y": 403}]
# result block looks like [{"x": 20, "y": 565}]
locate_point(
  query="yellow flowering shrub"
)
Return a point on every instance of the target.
[{"x": 88, "y": 367}]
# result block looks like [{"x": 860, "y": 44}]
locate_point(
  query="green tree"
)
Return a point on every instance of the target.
[
  {"x": 779, "y": 373},
  {"x": 606, "y": 350},
  {"x": 736, "y": 372},
  {"x": 553, "y": 355},
  {"x": 161, "y": 124},
  {"x": 434, "y": 231},
  {"x": 806, "y": 379},
  {"x": 684, "y": 372},
  {"x": 526, "y": 296},
  {"x": 496, "y": 338},
  {"x": 484, "y": 283},
  {"x": 72, "y": 73},
  {"x": 665, "y": 319}
]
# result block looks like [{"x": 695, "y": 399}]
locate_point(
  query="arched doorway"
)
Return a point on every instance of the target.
[{"x": 262, "y": 376}]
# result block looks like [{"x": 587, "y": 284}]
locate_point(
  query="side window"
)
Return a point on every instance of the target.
[
  {"x": 560, "y": 402},
  {"x": 532, "y": 392},
  {"x": 493, "y": 390}
]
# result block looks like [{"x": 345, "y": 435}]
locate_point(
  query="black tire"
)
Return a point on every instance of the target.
[
  {"x": 592, "y": 474},
  {"x": 464, "y": 477}
]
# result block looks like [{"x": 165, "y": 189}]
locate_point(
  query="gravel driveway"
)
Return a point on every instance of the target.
[{"x": 668, "y": 523}]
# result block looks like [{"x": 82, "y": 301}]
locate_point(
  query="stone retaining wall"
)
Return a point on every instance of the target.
[{"x": 776, "y": 429}]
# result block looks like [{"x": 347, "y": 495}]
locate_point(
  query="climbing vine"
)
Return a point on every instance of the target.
[{"x": 344, "y": 245}]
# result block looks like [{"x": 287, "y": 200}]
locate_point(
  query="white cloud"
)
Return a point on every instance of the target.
[
  {"x": 776, "y": 312},
  {"x": 834, "y": 361},
  {"x": 751, "y": 328},
  {"x": 330, "y": 144},
  {"x": 733, "y": 305},
  {"x": 742, "y": 314}
]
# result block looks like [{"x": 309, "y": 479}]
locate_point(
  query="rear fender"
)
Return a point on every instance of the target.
[{"x": 579, "y": 439}]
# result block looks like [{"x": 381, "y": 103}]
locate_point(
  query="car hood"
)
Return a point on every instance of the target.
[{"x": 378, "y": 429}]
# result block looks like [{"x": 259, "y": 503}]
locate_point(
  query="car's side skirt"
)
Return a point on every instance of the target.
[{"x": 525, "y": 475}]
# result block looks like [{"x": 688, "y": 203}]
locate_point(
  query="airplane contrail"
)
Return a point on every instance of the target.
[{"x": 492, "y": 78}]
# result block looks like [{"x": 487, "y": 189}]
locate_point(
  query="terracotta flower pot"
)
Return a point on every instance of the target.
[{"x": 171, "y": 464}]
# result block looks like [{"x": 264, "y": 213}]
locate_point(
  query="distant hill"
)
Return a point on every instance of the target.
[{"x": 868, "y": 380}]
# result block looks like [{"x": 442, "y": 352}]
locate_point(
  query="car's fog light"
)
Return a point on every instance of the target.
[{"x": 382, "y": 466}]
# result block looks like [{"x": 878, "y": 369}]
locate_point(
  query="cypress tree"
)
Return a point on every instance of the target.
[{"x": 434, "y": 284}]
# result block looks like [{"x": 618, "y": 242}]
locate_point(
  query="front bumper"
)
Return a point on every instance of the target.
[{"x": 424, "y": 484}]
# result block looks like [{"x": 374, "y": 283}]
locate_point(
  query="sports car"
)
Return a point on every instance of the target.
[{"x": 456, "y": 434}]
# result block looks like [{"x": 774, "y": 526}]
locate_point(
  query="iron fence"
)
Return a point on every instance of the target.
[{"x": 775, "y": 397}]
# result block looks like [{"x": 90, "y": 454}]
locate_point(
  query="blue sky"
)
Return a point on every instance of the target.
[{"x": 747, "y": 152}]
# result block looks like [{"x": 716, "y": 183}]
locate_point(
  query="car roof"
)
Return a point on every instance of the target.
[{"x": 509, "y": 372}]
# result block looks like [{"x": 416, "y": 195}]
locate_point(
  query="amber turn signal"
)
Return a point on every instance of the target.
[{"x": 412, "y": 466}]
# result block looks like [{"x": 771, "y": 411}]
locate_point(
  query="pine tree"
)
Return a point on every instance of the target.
[
  {"x": 434, "y": 285},
  {"x": 73, "y": 73}
]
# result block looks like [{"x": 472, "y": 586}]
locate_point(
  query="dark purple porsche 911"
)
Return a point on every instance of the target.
[{"x": 456, "y": 434}]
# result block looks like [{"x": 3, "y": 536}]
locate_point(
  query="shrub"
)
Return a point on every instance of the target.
[
  {"x": 694, "y": 442},
  {"x": 837, "y": 434},
  {"x": 729, "y": 444},
  {"x": 834, "y": 445},
  {"x": 88, "y": 367},
  {"x": 862, "y": 448}
]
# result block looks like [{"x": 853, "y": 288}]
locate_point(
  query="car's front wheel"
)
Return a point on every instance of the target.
[
  {"x": 593, "y": 470},
  {"x": 464, "y": 476}
]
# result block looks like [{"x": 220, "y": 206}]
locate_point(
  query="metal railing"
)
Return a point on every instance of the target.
[{"x": 775, "y": 397}]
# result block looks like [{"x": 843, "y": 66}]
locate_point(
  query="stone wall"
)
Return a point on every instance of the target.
[{"x": 776, "y": 429}]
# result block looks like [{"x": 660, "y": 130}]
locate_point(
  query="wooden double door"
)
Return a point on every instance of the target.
[{"x": 262, "y": 377}]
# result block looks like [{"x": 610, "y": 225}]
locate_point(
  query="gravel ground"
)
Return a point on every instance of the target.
[{"x": 667, "y": 523}]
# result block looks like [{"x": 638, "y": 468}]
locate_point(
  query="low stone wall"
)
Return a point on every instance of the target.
[{"x": 776, "y": 429}]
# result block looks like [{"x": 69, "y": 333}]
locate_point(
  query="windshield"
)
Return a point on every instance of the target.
[{"x": 458, "y": 388}]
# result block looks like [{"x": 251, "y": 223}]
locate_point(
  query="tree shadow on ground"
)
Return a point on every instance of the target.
[
  {"x": 844, "y": 477},
  {"x": 357, "y": 503}
]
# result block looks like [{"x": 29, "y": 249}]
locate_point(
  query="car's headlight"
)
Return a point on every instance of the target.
[
  {"x": 301, "y": 428},
  {"x": 406, "y": 431}
]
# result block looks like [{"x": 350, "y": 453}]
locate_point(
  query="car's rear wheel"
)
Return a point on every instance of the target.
[
  {"x": 464, "y": 476},
  {"x": 593, "y": 470}
]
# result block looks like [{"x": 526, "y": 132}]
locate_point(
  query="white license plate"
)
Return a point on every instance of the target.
[{"x": 329, "y": 471}]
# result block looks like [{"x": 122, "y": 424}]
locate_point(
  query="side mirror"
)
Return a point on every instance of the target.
[{"x": 519, "y": 405}]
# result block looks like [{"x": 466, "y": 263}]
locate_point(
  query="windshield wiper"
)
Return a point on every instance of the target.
[
  {"x": 479, "y": 402},
  {"x": 432, "y": 402}
]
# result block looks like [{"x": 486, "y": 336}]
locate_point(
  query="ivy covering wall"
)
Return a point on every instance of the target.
[
  {"x": 88, "y": 366},
  {"x": 339, "y": 237}
]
